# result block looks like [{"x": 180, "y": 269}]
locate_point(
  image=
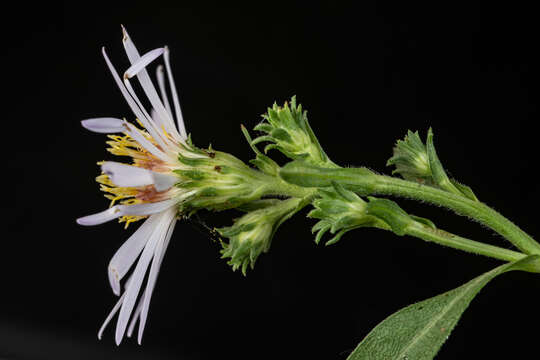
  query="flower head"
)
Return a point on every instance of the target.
[{"x": 144, "y": 188}]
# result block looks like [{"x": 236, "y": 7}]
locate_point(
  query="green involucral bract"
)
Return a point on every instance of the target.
[
  {"x": 220, "y": 181},
  {"x": 339, "y": 211},
  {"x": 287, "y": 130},
  {"x": 417, "y": 162},
  {"x": 252, "y": 234}
]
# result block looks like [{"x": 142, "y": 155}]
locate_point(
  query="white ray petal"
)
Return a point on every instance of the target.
[
  {"x": 178, "y": 111},
  {"x": 148, "y": 86},
  {"x": 135, "y": 315},
  {"x": 152, "y": 277},
  {"x": 121, "y": 210},
  {"x": 139, "y": 273},
  {"x": 134, "y": 107},
  {"x": 155, "y": 117},
  {"x": 148, "y": 124},
  {"x": 163, "y": 182},
  {"x": 101, "y": 217},
  {"x": 105, "y": 125},
  {"x": 145, "y": 143},
  {"x": 111, "y": 315},
  {"x": 127, "y": 175},
  {"x": 147, "y": 208},
  {"x": 143, "y": 62},
  {"x": 161, "y": 83},
  {"x": 126, "y": 255}
]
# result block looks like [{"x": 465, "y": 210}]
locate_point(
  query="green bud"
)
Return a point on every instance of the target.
[
  {"x": 287, "y": 129},
  {"x": 390, "y": 213},
  {"x": 340, "y": 210},
  {"x": 252, "y": 234},
  {"x": 417, "y": 162},
  {"x": 411, "y": 159}
]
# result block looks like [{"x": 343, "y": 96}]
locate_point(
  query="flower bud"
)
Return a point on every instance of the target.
[
  {"x": 251, "y": 234},
  {"x": 287, "y": 130},
  {"x": 340, "y": 210},
  {"x": 411, "y": 159}
]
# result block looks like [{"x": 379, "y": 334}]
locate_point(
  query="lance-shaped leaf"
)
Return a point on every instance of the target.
[{"x": 419, "y": 330}]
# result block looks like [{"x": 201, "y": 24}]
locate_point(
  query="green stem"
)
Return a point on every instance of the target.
[
  {"x": 478, "y": 211},
  {"x": 444, "y": 238},
  {"x": 365, "y": 182}
]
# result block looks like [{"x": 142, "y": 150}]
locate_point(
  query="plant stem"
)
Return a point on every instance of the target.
[
  {"x": 444, "y": 238},
  {"x": 477, "y": 211}
]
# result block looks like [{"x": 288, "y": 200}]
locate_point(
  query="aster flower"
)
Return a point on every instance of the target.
[{"x": 144, "y": 189}]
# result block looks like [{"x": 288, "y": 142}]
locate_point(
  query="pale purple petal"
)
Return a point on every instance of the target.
[
  {"x": 101, "y": 217},
  {"x": 152, "y": 277},
  {"x": 127, "y": 175},
  {"x": 149, "y": 88},
  {"x": 139, "y": 273},
  {"x": 105, "y": 125},
  {"x": 178, "y": 111},
  {"x": 143, "y": 62},
  {"x": 126, "y": 255}
]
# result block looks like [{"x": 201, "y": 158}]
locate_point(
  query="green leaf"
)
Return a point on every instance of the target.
[
  {"x": 419, "y": 330},
  {"x": 439, "y": 175}
]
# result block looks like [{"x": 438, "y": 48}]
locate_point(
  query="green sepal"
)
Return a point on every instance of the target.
[
  {"x": 424, "y": 221},
  {"x": 261, "y": 161},
  {"x": 437, "y": 171},
  {"x": 464, "y": 189},
  {"x": 390, "y": 212},
  {"x": 258, "y": 204}
]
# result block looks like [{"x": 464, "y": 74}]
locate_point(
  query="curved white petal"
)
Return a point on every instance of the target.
[
  {"x": 143, "y": 62},
  {"x": 111, "y": 315},
  {"x": 121, "y": 210},
  {"x": 147, "y": 208},
  {"x": 178, "y": 111},
  {"x": 101, "y": 217},
  {"x": 105, "y": 125},
  {"x": 163, "y": 182},
  {"x": 127, "y": 175},
  {"x": 145, "y": 143},
  {"x": 161, "y": 83},
  {"x": 152, "y": 277},
  {"x": 126, "y": 255},
  {"x": 139, "y": 273},
  {"x": 135, "y": 315},
  {"x": 134, "y": 107},
  {"x": 148, "y": 87}
]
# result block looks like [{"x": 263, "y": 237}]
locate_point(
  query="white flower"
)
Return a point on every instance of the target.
[{"x": 145, "y": 189}]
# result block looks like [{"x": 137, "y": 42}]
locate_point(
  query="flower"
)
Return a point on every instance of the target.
[{"x": 144, "y": 189}]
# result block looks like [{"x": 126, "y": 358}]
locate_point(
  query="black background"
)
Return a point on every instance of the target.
[{"x": 366, "y": 73}]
